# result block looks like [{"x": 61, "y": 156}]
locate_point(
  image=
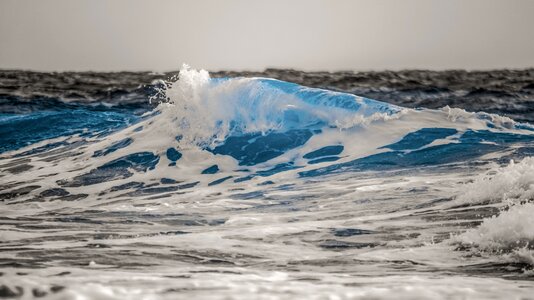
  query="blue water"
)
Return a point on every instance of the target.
[{"x": 17, "y": 131}]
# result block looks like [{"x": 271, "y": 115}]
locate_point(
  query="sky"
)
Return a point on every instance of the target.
[{"x": 161, "y": 35}]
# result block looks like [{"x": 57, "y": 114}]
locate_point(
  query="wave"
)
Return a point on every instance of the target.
[
  {"x": 205, "y": 111},
  {"x": 248, "y": 128}
]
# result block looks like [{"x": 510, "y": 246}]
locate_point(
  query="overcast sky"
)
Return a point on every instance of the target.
[{"x": 160, "y": 35}]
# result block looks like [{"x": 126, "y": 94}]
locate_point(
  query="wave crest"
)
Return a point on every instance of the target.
[{"x": 204, "y": 111}]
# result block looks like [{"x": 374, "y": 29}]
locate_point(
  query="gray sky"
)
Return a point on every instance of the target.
[{"x": 160, "y": 35}]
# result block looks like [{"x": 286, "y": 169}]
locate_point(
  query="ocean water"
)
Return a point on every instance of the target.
[{"x": 225, "y": 186}]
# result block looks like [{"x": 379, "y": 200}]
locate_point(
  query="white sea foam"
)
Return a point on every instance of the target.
[
  {"x": 458, "y": 114},
  {"x": 511, "y": 184},
  {"x": 510, "y": 233}
]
